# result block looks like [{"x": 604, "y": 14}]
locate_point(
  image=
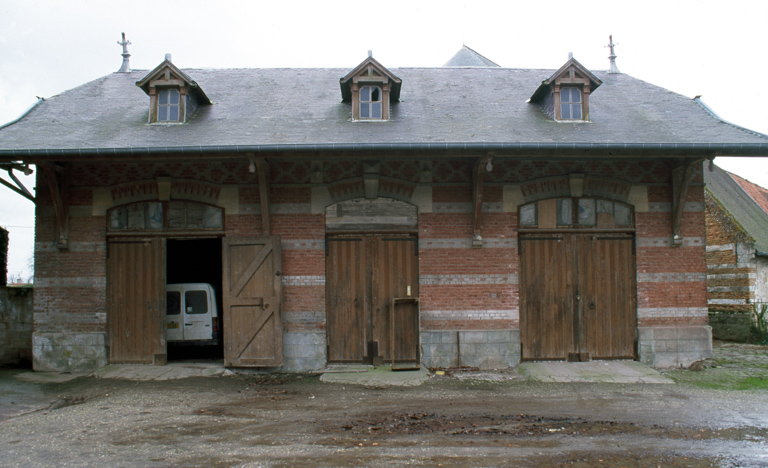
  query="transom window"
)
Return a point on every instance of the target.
[
  {"x": 168, "y": 105},
  {"x": 575, "y": 213},
  {"x": 570, "y": 104},
  {"x": 370, "y": 102}
]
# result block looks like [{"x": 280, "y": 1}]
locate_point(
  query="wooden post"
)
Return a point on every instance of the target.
[
  {"x": 681, "y": 180},
  {"x": 478, "y": 171},
  {"x": 60, "y": 209},
  {"x": 263, "y": 169}
]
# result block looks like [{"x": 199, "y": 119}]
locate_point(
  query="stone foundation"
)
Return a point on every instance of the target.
[
  {"x": 485, "y": 349},
  {"x": 304, "y": 351},
  {"x": 731, "y": 326},
  {"x": 664, "y": 347},
  {"x": 69, "y": 352}
]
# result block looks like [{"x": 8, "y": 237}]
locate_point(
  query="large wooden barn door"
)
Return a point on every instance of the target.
[
  {"x": 136, "y": 301},
  {"x": 578, "y": 299},
  {"x": 364, "y": 273},
  {"x": 252, "y": 295}
]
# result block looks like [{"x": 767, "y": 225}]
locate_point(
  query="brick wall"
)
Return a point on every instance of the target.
[
  {"x": 462, "y": 289},
  {"x": 731, "y": 268}
]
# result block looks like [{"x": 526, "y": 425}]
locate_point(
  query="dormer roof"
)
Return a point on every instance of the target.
[
  {"x": 171, "y": 74},
  {"x": 370, "y": 70},
  {"x": 572, "y": 72}
]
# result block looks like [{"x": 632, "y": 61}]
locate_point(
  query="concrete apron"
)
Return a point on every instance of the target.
[
  {"x": 593, "y": 371},
  {"x": 384, "y": 376}
]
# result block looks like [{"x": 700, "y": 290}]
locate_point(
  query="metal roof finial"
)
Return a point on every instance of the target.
[
  {"x": 125, "y": 67},
  {"x": 612, "y": 57}
]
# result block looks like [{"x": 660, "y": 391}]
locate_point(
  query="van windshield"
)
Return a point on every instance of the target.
[{"x": 197, "y": 302}]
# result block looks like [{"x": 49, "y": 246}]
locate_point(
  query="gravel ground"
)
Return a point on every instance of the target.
[{"x": 294, "y": 420}]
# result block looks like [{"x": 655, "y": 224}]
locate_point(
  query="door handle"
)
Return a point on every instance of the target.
[{"x": 578, "y": 298}]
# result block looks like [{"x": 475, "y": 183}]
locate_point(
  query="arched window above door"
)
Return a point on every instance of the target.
[{"x": 570, "y": 213}]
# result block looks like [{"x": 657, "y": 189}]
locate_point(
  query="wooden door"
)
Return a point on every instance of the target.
[
  {"x": 578, "y": 298},
  {"x": 252, "y": 296},
  {"x": 136, "y": 301},
  {"x": 363, "y": 274},
  {"x": 608, "y": 302}
]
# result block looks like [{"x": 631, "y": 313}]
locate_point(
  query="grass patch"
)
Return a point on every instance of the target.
[{"x": 723, "y": 383}]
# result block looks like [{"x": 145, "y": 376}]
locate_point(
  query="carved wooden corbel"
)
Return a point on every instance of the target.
[
  {"x": 681, "y": 180},
  {"x": 481, "y": 166},
  {"x": 61, "y": 210},
  {"x": 262, "y": 167}
]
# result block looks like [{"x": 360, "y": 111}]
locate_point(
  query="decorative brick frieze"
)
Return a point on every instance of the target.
[
  {"x": 670, "y": 277},
  {"x": 672, "y": 312},
  {"x": 461, "y": 243},
  {"x": 304, "y": 280},
  {"x": 667, "y": 241},
  {"x": 92, "y": 246},
  {"x": 290, "y": 208},
  {"x": 454, "y": 315},
  {"x": 303, "y": 244},
  {"x": 467, "y": 279}
]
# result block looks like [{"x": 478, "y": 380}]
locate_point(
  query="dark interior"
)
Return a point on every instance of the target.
[{"x": 195, "y": 261}]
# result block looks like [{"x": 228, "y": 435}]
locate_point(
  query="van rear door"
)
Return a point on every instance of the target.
[
  {"x": 197, "y": 312},
  {"x": 174, "y": 322}
]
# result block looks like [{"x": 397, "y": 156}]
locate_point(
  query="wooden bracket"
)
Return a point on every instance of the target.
[
  {"x": 262, "y": 167},
  {"x": 59, "y": 203},
  {"x": 681, "y": 180},
  {"x": 478, "y": 170}
]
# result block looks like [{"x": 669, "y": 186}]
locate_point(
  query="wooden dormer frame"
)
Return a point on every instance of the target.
[
  {"x": 165, "y": 76},
  {"x": 573, "y": 74},
  {"x": 370, "y": 73}
]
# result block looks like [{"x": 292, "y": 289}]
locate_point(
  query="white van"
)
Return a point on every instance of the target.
[{"x": 191, "y": 315}]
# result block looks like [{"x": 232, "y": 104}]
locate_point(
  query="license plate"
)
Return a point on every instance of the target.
[{"x": 173, "y": 325}]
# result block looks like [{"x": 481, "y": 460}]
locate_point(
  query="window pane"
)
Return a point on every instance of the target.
[
  {"x": 196, "y": 302},
  {"x": 162, "y": 113},
  {"x": 604, "y": 206},
  {"x": 173, "y": 303},
  {"x": 118, "y": 219},
  {"x": 623, "y": 215},
  {"x": 587, "y": 211},
  {"x": 528, "y": 215},
  {"x": 155, "y": 215},
  {"x": 565, "y": 95},
  {"x": 576, "y": 111},
  {"x": 575, "y": 95},
  {"x": 364, "y": 114},
  {"x": 565, "y": 111},
  {"x": 173, "y": 114},
  {"x": 564, "y": 212},
  {"x": 365, "y": 93},
  {"x": 213, "y": 217},
  {"x": 375, "y": 95},
  {"x": 376, "y": 111},
  {"x": 136, "y": 216},
  {"x": 174, "y": 94},
  {"x": 162, "y": 98}
]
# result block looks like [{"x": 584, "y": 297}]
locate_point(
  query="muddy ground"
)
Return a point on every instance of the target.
[{"x": 290, "y": 420}]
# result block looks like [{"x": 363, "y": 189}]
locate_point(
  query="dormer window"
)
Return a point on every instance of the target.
[
  {"x": 570, "y": 104},
  {"x": 370, "y": 88},
  {"x": 564, "y": 96},
  {"x": 173, "y": 96},
  {"x": 168, "y": 105},
  {"x": 370, "y": 102}
]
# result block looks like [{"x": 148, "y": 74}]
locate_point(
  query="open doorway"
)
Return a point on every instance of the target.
[{"x": 194, "y": 321}]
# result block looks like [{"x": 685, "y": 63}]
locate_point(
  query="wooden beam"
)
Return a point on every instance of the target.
[
  {"x": 478, "y": 171},
  {"x": 59, "y": 207},
  {"x": 262, "y": 167},
  {"x": 681, "y": 181}
]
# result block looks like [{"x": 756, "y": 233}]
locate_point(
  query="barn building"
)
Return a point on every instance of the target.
[{"x": 464, "y": 215}]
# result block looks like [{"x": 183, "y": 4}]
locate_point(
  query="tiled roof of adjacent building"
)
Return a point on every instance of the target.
[{"x": 745, "y": 201}]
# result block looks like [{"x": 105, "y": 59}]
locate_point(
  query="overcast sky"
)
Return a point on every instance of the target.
[{"x": 715, "y": 49}]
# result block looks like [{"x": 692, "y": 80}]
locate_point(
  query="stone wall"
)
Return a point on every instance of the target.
[
  {"x": 15, "y": 325},
  {"x": 731, "y": 326}
]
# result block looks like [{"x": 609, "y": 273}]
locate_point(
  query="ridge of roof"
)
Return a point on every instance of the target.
[{"x": 467, "y": 57}]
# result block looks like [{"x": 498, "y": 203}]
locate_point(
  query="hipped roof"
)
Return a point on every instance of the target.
[{"x": 439, "y": 108}]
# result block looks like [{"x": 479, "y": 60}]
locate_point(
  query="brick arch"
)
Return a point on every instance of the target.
[
  {"x": 562, "y": 186},
  {"x": 388, "y": 187},
  {"x": 164, "y": 188}
]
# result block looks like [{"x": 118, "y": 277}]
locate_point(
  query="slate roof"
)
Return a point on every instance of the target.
[
  {"x": 467, "y": 57},
  {"x": 743, "y": 200},
  {"x": 438, "y": 106}
]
